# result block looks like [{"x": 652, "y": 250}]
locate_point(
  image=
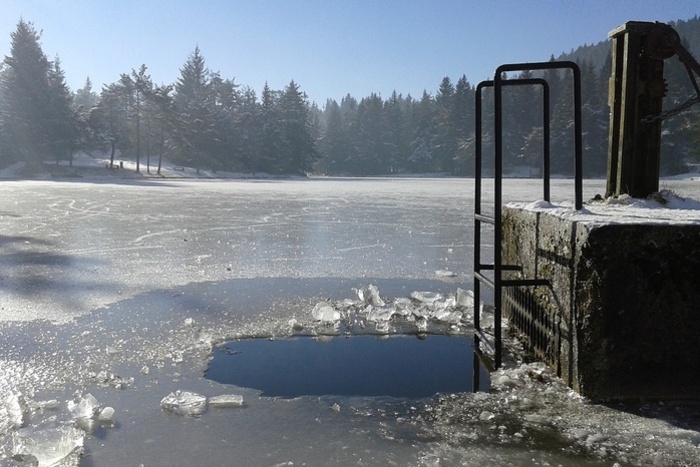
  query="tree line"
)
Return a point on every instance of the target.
[{"x": 204, "y": 120}]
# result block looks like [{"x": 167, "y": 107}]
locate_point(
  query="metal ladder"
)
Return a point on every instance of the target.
[{"x": 490, "y": 274}]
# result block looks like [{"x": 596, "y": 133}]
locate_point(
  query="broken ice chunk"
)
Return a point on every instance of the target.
[
  {"x": 83, "y": 407},
  {"x": 184, "y": 403},
  {"x": 445, "y": 273},
  {"x": 43, "y": 405},
  {"x": 13, "y": 412},
  {"x": 369, "y": 295},
  {"x": 403, "y": 306},
  {"x": 53, "y": 446},
  {"x": 464, "y": 299},
  {"x": 226, "y": 400},
  {"x": 323, "y": 311},
  {"x": 294, "y": 325},
  {"x": 379, "y": 314},
  {"x": 106, "y": 415},
  {"x": 426, "y": 297},
  {"x": 382, "y": 327},
  {"x": 448, "y": 315}
]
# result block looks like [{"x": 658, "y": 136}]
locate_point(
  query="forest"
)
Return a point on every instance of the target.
[{"x": 204, "y": 120}]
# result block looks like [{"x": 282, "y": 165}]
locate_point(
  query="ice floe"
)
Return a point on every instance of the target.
[{"x": 189, "y": 403}]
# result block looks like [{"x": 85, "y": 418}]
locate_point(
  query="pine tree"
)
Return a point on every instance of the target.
[
  {"x": 595, "y": 121},
  {"x": 446, "y": 132},
  {"x": 62, "y": 127},
  {"x": 84, "y": 101},
  {"x": 394, "y": 139},
  {"x": 247, "y": 120},
  {"x": 142, "y": 90},
  {"x": 194, "y": 102},
  {"x": 300, "y": 148},
  {"x": 227, "y": 144},
  {"x": 422, "y": 157},
  {"x": 26, "y": 97},
  {"x": 522, "y": 112},
  {"x": 85, "y": 98},
  {"x": 164, "y": 115},
  {"x": 463, "y": 117},
  {"x": 111, "y": 120},
  {"x": 335, "y": 146},
  {"x": 369, "y": 137},
  {"x": 271, "y": 138}
]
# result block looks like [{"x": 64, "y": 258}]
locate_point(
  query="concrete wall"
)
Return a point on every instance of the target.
[{"x": 625, "y": 297}]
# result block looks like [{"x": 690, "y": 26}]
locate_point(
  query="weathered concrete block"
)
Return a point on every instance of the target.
[{"x": 624, "y": 300}]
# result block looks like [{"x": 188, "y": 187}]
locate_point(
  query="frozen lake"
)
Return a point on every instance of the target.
[{"x": 120, "y": 290}]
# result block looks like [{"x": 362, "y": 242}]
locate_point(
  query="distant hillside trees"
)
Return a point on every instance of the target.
[{"x": 204, "y": 120}]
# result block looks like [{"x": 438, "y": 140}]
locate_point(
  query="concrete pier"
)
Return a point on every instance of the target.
[{"x": 621, "y": 318}]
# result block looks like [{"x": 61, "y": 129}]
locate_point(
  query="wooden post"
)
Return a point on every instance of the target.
[{"x": 637, "y": 89}]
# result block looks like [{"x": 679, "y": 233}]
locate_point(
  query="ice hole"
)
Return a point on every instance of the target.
[{"x": 397, "y": 366}]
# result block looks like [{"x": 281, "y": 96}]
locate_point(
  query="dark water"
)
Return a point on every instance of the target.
[{"x": 397, "y": 366}]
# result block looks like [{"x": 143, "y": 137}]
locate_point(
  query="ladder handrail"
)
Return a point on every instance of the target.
[{"x": 497, "y": 283}]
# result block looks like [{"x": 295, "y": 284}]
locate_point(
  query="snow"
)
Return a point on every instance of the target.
[
  {"x": 663, "y": 208},
  {"x": 95, "y": 164}
]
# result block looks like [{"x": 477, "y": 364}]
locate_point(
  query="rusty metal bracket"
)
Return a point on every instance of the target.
[{"x": 662, "y": 43}]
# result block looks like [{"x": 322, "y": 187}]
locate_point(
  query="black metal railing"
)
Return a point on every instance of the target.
[{"x": 491, "y": 274}]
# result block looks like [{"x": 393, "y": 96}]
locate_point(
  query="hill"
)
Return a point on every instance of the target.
[{"x": 689, "y": 30}]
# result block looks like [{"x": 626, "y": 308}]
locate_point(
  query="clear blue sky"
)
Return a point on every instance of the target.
[{"x": 329, "y": 47}]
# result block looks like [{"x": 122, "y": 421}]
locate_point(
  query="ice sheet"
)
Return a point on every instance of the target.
[{"x": 120, "y": 290}]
